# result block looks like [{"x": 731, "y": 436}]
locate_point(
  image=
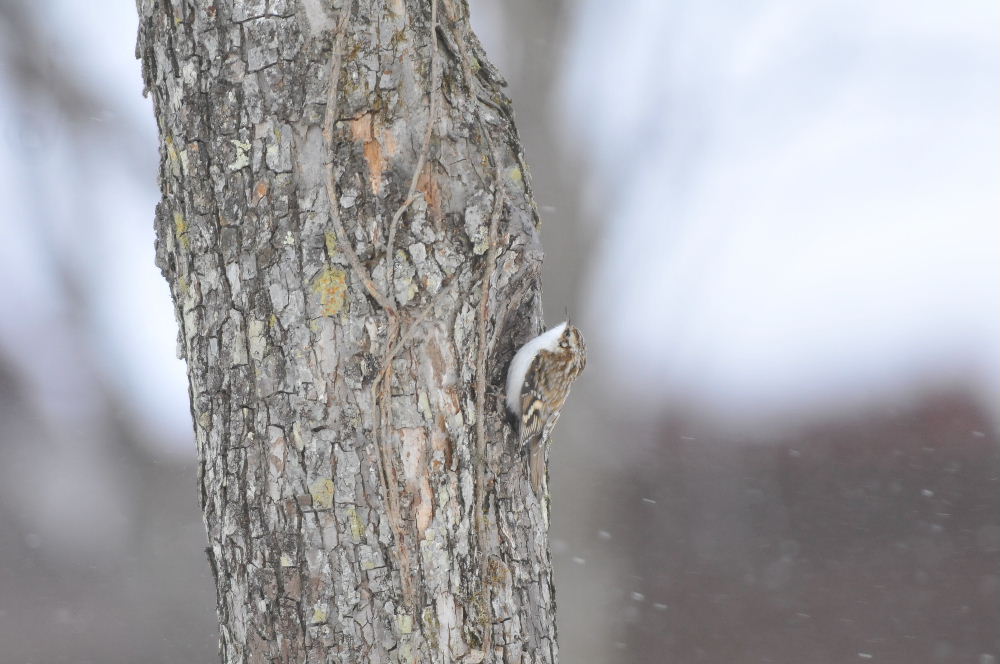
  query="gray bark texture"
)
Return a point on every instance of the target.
[{"x": 349, "y": 236}]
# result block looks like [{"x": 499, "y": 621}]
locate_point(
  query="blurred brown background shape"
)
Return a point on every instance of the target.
[{"x": 865, "y": 532}]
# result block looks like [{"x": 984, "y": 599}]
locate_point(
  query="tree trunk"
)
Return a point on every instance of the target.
[{"x": 349, "y": 236}]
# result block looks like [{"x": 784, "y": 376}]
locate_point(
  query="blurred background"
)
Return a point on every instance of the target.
[{"x": 778, "y": 224}]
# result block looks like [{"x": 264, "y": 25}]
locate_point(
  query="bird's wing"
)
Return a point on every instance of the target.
[{"x": 533, "y": 406}]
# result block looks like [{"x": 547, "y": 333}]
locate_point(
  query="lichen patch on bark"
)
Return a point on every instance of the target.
[{"x": 331, "y": 286}]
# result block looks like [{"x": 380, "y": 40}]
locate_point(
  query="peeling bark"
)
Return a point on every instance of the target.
[{"x": 348, "y": 301}]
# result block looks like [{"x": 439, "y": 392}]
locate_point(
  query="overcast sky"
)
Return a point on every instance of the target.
[{"x": 797, "y": 201}]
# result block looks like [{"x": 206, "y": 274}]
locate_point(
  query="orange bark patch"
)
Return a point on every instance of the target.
[
  {"x": 428, "y": 186},
  {"x": 379, "y": 145},
  {"x": 376, "y": 164},
  {"x": 361, "y": 128},
  {"x": 260, "y": 190}
]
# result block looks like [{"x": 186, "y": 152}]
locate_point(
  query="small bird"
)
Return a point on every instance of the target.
[{"x": 538, "y": 383}]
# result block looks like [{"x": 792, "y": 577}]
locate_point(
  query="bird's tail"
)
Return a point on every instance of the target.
[{"x": 537, "y": 467}]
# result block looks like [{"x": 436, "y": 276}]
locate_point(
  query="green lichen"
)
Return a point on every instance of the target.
[
  {"x": 322, "y": 493},
  {"x": 357, "y": 529},
  {"x": 242, "y": 155},
  {"x": 496, "y": 573},
  {"x": 320, "y": 614},
  {"x": 180, "y": 229},
  {"x": 479, "y": 604},
  {"x": 331, "y": 243},
  {"x": 478, "y": 609},
  {"x": 331, "y": 285},
  {"x": 431, "y": 626},
  {"x": 171, "y": 150}
]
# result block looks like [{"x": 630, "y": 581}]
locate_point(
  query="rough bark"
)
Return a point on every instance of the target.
[{"x": 349, "y": 237}]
